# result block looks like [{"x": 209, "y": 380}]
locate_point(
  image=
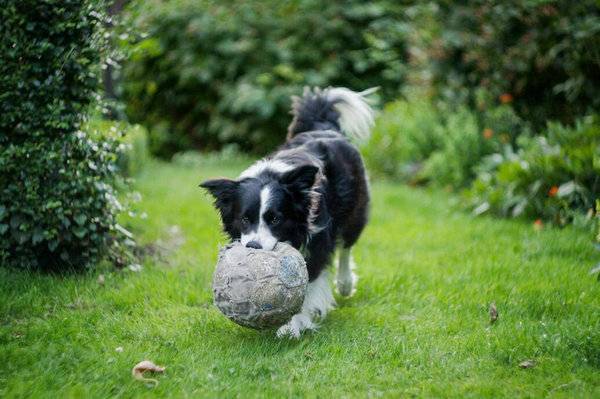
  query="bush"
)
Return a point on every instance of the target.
[
  {"x": 417, "y": 141},
  {"x": 555, "y": 176},
  {"x": 404, "y": 136},
  {"x": 133, "y": 154},
  {"x": 57, "y": 202},
  {"x": 462, "y": 146},
  {"x": 215, "y": 73},
  {"x": 540, "y": 55}
]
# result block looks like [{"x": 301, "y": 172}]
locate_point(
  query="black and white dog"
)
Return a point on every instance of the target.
[{"x": 312, "y": 193}]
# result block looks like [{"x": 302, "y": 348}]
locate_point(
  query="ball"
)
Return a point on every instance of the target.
[{"x": 257, "y": 288}]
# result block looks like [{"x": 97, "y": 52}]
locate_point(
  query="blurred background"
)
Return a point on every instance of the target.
[{"x": 496, "y": 101}]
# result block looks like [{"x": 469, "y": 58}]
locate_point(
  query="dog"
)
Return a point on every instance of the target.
[{"x": 312, "y": 193}]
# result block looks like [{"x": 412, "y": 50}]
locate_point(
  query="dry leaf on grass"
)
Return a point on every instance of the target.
[
  {"x": 493, "y": 313},
  {"x": 146, "y": 365},
  {"x": 527, "y": 364},
  {"x": 101, "y": 279}
]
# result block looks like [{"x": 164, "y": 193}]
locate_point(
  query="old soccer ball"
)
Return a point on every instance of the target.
[{"x": 258, "y": 288}]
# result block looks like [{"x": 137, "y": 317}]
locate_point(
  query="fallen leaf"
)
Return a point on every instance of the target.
[
  {"x": 527, "y": 364},
  {"x": 101, "y": 279},
  {"x": 146, "y": 365},
  {"x": 493, "y": 313},
  {"x": 119, "y": 349}
]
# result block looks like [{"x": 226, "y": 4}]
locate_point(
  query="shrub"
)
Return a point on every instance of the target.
[
  {"x": 417, "y": 141},
  {"x": 57, "y": 202},
  {"x": 214, "y": 73},
  {"x": 462, "y": 146},
  {"x": 540, "y": 55},
  {"x": 555, "y": 176},
  {"x": 133, "y": 152},
  {"x": 404, "y": 136}
]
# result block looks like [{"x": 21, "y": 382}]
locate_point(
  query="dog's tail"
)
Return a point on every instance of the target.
[{"x": 335, "y": 108}]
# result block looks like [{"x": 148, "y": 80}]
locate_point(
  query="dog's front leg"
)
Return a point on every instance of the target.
[{"x": 317, "y": 303}]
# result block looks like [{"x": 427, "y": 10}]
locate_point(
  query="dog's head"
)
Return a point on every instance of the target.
[{"x": 261, "y": 211}]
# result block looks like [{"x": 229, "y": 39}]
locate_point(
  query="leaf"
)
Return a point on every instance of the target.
[
  {"x": 596, "y": 270},
  {"x": 493, "y": 313},
  {"x": 124, "y": 231},
  {"x": 519, "y": 208},
  {"x": 79, "y": 231},
  {"x": 146, "y": 365},
  {"x": 80, "y": 219},
  {"x": 566, "y": 189},
  {"x": 484, "y": 207},
  {"x": 3, "y": 228},
  {"x": 527, "y": 364},
  {"x": 52, "y": 245},
  {"x": 38, "y": 236},
  {"x": 135, "y": 267}
]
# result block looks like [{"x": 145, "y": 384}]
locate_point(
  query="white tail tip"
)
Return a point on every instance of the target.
[{"x": 356, "y": 115}]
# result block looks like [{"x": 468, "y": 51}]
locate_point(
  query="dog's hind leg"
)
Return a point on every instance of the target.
[{"x": 346, "y": 279}]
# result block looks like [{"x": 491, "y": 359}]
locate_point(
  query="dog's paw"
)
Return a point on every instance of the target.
[
  {"x": 288, "y": 331},
  {"x": 345, "y": 288},
  {"x": 294, "y": 328},
  {"x": 346, "y": 283}
]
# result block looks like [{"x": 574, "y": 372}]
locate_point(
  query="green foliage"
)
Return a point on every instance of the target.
[
  {"x": 405, "y": 135},
  {"x": 417, "y": 141},
  {"x": 543, "y": 55},
  {"x": 461, "y": 149},
  {"x": 555, "y": 176},
  {"x": 133, "y": 152},
  {"x": 212, "y": 73},
  {"x": 57, "y": 202}
]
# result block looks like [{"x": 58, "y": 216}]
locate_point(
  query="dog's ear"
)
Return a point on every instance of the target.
[
  {"x": 224, "y": 191},
  {"x": 301, "y": 178}
]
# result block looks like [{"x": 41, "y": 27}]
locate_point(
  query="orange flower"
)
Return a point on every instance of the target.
[
  {"x": 552, "y": 192},
  {"x": 538, "y": 224},
  {"x": 506, "y": 98},
  {"x": 488, "y": 133}
]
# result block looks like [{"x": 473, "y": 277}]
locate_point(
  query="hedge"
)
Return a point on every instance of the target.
[
  {"x": 57, "y": 202},
  {"x": 207, "y": 73},
  {"x": 542, "y": 56}
]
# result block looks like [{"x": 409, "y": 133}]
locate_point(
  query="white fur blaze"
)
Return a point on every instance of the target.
[
  {"x": 275, "y": 165},
  {"x": 262, "y": 234}
]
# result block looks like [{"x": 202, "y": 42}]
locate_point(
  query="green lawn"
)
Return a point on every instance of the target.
[{"x": 417, "y": 326}]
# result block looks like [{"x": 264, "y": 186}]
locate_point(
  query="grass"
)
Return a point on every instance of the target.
[{"x": 417, "y": 326}]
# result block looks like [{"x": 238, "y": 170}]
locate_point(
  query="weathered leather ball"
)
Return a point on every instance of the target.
[{"x": 257, "y": 288}]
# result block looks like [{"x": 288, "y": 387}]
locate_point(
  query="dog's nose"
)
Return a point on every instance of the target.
[{"x": 254, "y": 244}]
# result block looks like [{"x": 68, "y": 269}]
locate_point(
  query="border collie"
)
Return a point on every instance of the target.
[{"x": 311, "y": 193}]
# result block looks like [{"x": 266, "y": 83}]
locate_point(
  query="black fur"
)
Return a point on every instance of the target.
[
  {"x": 327, "y": 174},
  {"x": 313, "y": 112}
]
